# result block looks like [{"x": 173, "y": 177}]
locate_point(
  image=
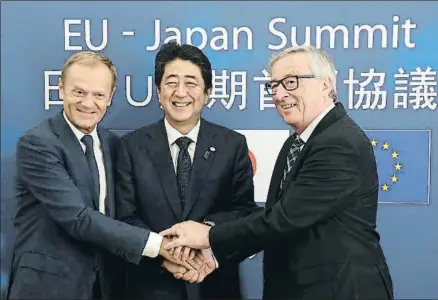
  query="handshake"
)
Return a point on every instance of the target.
[{"x": 186, "y": 251}]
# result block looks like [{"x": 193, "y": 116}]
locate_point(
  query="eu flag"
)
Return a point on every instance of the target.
[{"x": 403, "y": 162}]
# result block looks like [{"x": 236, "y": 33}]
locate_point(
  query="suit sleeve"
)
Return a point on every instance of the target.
[
  {"x": 328, "y": 180},
  {"x": 126, "y": 199},
  {"x": 41, "y": 169},
  {"x": 242, "y": 197}
]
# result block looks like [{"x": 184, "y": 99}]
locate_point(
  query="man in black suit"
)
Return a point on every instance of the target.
[
  {"x": 183, "y": 168},
  {"x": 67, "y": 241},
  {"x": 318, "y": 229}
]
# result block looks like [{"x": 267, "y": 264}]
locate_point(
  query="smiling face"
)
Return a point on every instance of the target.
[
  {"x": 182, "y": 93},
  {"x": 300, "y": 106},
  {"x": 86, "y": 91}
]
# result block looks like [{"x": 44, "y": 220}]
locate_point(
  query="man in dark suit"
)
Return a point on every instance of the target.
[
  {"x": 67, "y": 241},
  {"x": 318, "y": 229},
  {"x": 183, "y": 168}
]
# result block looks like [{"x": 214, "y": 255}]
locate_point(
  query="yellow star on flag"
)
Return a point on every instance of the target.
[
  {"x": 385, "y": 187},
  {"x": 394, "y": 154},
  {"x": 394, "y": 179},
  {"x": 385, "y": 146},
  {"x": 398, "y": 166},
  {"x": 373, "y": 142}
]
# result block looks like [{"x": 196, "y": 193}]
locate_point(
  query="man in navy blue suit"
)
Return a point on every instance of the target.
[
  {"x": 183, "y": 168},
  {"x": 67, "y": 241}
]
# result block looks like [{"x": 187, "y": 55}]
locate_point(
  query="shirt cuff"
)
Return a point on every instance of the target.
[
  {"x": 211, "y": 224},
  {"x": 153, "y": 245},
  {"x": 215, "y": 260}
]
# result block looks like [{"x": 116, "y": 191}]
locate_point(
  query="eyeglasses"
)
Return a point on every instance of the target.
[{"x": 289, "y": 83}]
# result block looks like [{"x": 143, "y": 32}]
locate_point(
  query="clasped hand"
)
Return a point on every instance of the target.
[{"x": 186, "y": 252}]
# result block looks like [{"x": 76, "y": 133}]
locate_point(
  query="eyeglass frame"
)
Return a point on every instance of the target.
[{"x": 278, "y": 82}]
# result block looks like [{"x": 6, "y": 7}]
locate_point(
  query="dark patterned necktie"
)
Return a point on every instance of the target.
[
  {"x": 291, "y": 158},
  {"x": 183, "y": 167},
  {"x": 89, "y": 154}
]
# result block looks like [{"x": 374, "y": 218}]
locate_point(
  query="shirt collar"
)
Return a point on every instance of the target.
[
  {"x": 173, "y": 134},
  {"x": 305, "y": 135},
  {"x": 79, "y": 134}
]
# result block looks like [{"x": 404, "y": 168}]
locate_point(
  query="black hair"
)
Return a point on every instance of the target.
[{"x": 172, "y": 50}]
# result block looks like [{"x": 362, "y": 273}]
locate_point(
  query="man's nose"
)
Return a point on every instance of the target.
[
  {"x": 88, "y": 101},
  {"x": 281, "y": 94},
  {"x": 181, "y": 91}
]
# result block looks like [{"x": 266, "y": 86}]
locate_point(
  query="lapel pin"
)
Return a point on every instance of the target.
[{"x": 209, "y": 151}]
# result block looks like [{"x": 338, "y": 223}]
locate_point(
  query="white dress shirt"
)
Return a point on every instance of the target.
[
  {"x": 98, "y": 154},
  {"x": 173, "y": 135},
  {"x": 305, "y": 135},
  {"x": 154, "y": 241}
]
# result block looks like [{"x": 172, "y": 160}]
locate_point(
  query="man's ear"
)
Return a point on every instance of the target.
[
  {"x": 111, "y": 97},
  {"x": 207, "y": 96},
  {"x": 61, "y": 88},
  {"x": 328, "y": 86},
  {"x": 159, "y": 98}
]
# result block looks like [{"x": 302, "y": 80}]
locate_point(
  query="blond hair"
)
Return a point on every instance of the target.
[
  {"x": 89, "y": 58},
  {"x": 320, "y": 63}
]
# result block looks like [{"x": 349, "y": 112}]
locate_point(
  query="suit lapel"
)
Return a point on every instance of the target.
[
  {"x": 332, "y": 116},
  {"x": 328, "y": 119},
  {"x": 67, "y": 137},
  {"x": 157, "y": 145},
  {"x": 108, "y": 162},
  {"x": 205, "y": 153}
]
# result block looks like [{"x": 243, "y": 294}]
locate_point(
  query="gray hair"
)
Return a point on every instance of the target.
[{"x": 320, "y": 63}]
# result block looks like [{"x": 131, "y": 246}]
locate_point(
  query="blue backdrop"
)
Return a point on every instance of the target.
[{"x": 385, "y": 53}]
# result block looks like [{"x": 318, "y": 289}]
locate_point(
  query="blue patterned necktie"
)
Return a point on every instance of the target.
[
  {"x": 291, "y": 158},
  {"x": 89, "y": 154},
  {"x": 183, "y": 167}
]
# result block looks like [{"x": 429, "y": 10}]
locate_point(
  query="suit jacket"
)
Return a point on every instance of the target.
[
  {"x": 62, "y": 240},
  {"x": 221, "y": 189},
  {"x": 319, "y": 232}
]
